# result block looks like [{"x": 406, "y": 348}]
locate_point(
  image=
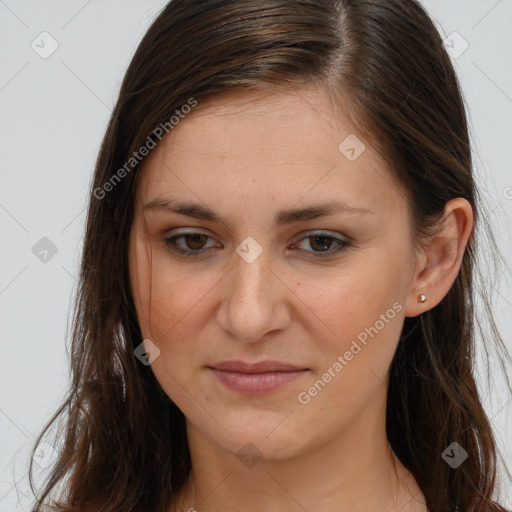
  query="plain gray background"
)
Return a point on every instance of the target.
[{"x": 54, "y": 109}]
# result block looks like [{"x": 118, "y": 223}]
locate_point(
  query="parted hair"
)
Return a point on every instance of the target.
[{"x": 121, "y": 441}]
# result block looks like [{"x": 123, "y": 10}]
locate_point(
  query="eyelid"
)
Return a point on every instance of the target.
[
  {"x": 323, "y": 232},
  {"x": 342, "y": 241},
  {"x": 168, "y": 238},
  {"x": 304, "y": 234}
]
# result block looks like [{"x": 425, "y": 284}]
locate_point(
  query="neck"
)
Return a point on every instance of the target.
[{"x": 356, "y": 471}]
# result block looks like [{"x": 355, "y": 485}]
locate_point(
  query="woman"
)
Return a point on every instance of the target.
[{"x": 275, "y": 308}]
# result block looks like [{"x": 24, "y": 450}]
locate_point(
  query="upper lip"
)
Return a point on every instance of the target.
[{"x": 260, "y": 367}]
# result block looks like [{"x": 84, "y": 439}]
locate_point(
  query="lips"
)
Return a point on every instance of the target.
[
  {"x": 255, "y": 378},
  {"x": 261, "y": 367}
]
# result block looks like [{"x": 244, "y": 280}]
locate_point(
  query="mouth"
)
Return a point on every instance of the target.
[{"x": 255, "y": 378}]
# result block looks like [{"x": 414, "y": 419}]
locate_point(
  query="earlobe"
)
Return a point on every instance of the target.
[{"x": 441, "y": 258}]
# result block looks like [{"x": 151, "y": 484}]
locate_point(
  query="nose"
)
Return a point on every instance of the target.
[{"x": 254, "y": 300}]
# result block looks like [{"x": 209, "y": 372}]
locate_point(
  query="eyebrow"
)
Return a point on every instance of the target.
[{"x": 282, "y": 217}]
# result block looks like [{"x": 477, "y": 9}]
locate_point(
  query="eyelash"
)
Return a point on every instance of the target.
[{"x": 342, "y": 244}]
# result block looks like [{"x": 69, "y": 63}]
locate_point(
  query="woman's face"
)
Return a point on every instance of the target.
[{"x": 265, "y": 232}]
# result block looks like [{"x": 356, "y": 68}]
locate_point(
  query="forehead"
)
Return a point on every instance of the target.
[
  {"x": 286, "y": 145},
  {"x": 237, "y": 121}
]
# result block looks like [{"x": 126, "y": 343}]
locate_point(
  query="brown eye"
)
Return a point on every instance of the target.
[
  {"x": 188, "y": 244},
  {"x": 321, "y": 243},
  {"x": 195, "y": 241}
]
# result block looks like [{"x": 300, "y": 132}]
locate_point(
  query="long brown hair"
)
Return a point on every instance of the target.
[{"x": 122, "y": 443}]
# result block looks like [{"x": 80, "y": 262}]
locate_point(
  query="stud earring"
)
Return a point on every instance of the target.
[{"x": 422, "y": 298}]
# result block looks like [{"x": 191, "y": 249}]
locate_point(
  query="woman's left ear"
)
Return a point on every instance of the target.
[{"x": 439, "y": 260}]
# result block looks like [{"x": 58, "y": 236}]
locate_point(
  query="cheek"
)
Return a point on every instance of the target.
[
  {"x": 170, "y": 303},
  {"x": 354, "y": 367},
  {"x": 361, "y": 314},
  {"x": 350, "y": 301},
  {"x": 165, "y": 293}
]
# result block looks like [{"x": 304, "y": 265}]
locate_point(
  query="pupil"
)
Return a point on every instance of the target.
[
  {"x": 323, "y": 241},
  {"x": 196, "y": 239}
]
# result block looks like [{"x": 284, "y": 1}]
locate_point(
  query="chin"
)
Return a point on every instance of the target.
[{"x": 269, "y": 436}]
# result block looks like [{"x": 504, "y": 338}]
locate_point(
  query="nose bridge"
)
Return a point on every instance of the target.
[
  {"x": 249, "y": 278},
  {"x": 252, "y": 303}
]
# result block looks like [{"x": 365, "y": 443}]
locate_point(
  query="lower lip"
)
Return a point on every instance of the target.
[{"x": 256, "y": 383}]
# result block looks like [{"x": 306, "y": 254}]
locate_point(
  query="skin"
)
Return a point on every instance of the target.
[{"x": 247, "y": 157}]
